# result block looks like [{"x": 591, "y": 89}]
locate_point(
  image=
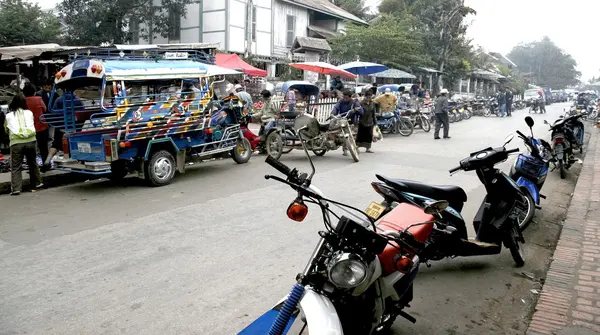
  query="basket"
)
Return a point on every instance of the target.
[{"x": 529, "y": 167}]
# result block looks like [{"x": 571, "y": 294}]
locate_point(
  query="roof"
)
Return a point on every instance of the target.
[
  {"x": 302, "y": 43},
  {"x": 503, "y": 58},
  {"x": 326, "y": 7},
  {"x": 234, "y": 62},
  {"x": 430, "y": 70},
  {"x": 394, "y": 73},
  {"x": 30, "y": 51}
]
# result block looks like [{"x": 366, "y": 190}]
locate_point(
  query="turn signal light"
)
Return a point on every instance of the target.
[
  {"x": 125, "y": 144},
  {"x": 403, "y": 264},
  {"x": 297, "y": 210},
  {"x": 96, "y": 68}
]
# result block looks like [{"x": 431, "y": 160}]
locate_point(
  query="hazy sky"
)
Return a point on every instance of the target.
[
  {"x": 571, "y": 24},
  {"x": 499, "y": 25}
]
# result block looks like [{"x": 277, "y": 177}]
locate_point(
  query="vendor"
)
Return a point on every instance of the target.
[{"x": 388, "y": 101}]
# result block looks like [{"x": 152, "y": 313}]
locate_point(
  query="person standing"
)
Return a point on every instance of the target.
[
  {"x": 364, "y": 137},
  {"x": 246, "y": 98},
  {"x": 37, "y": 106},
  {"x": 347, "y": 108},
  {"x": 501, "y": 103},
  {"x": 290, "y": 97},
  {"x": 19, "y": 125},
  {"x": 441, "y": 115},
  {"x": 542, "y": 101},
  {"x": 388, "y": 101},
  {"x": 509, "y": 101}
]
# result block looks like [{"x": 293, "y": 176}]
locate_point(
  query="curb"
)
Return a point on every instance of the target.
[
  {"x": 570, "y": 297},
  {"x": 50, "y": 179}
]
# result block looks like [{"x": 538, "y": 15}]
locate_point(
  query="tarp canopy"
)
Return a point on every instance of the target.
[{"x": 234, "y": 62}]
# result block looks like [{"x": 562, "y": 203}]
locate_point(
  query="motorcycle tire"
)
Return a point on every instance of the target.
[
  {"x": 530, "y": 208},
  {"x": 487, "y": 112},
  {"x": 274, "y": 145},
  {"x": 351, "y": 146},
  {"x": 468, "y": 114},
  {"x": 513, "y": 243},
  {"x": 425, "y": 125},
  {"x": 405, "y": 128},
  {"x": 563, "y": 170},
  {"x": 320, "y": 152},
  {"x": 451, "y": 118}
]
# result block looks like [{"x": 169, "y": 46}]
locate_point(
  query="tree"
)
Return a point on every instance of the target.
[
  {"x": 546, "y": 64},
  {"x": 389, "y": 41},
  {"x": 355, "y": 7},
  {"x": 25, "y": 23},
  {"x": 445, "y": 33},
  {"x": 94, "y": 22}
]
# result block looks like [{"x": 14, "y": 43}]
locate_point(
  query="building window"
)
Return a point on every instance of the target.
[
  {"x": 291, "y": 30},
  {"x": 254, "y": 24},
  {"x": 174, "y": 25},
  {"x": 134, "y": 30}
]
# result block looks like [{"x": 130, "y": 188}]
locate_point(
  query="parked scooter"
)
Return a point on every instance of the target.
[
  {"x": 530, "y": 170},
  {"x": 357, "y": 281},
  {"x": 496, "y": 222},
  {"x": 567, "y": 136},
  {"x": 395, "y": 123}
]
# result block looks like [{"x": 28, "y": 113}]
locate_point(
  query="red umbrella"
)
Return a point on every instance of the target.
[
  {"x": 323, "y": 68},
  {"x": 234, "y": 62}
]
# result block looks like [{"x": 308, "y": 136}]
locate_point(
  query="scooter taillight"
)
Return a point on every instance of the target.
[
  {"x": 385, "y": 191},
  {"x": 558, "y": 140}
]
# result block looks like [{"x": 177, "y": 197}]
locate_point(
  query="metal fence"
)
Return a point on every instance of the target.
[{"x": 319, "y": 108}]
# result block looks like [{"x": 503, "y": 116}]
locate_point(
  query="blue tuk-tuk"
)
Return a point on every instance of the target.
[{"x": 145, "y": 115}]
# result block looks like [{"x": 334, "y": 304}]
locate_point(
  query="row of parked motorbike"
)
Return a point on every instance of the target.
[{"x": 360, "y": 277}]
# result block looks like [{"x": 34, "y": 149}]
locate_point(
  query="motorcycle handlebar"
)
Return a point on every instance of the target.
[
  {"x": 521, "y": 134},
  {"x": 279, "y": 166},
  {"x": 512, "y": 150},
  {"x": 455, "y": 169}
]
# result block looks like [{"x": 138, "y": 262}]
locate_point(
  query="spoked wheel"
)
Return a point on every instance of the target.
[
  {"x": 351, "y": 146},
  {"x": 242, "y": 152},
  {"x": 527, "y": 207},
  {"x": 405, "y": 128},
  {"x": 451, "y": 117},
  {"x": 513, "y": 243},
  {"x": 425, "y": 125},
  {"x": 487, "y": 112},
  {"x": 274, "y": 145},
  {"x": 393, "y": 127}
]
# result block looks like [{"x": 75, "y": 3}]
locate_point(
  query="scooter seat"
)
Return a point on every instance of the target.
[
  {"x": 323, "y": 126},
  {"x": 455, "y": 195}
]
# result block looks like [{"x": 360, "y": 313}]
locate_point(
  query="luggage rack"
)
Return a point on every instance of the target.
[{"x": 144, "y": 54}]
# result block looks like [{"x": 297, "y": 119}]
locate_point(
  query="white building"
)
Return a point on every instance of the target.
[{"x": 266, "y": 29}]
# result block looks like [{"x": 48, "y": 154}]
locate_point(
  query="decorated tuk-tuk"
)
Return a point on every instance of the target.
[{"x": 147, "y": 115}]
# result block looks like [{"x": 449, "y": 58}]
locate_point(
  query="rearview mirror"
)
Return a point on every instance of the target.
[
  {"x": 508, "y": 139},
  {"x": 529, "y": 121},
  {"x": 437, "y": 207}
]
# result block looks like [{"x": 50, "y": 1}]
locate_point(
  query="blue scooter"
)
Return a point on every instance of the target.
[
  {"x": 530, "y": 171},
  {"x": 395, "y": 123}
]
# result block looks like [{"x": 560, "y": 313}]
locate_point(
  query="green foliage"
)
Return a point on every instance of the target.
[
  {"x": 356, "y": 7},
  {"x": 546, "y": 64},
  {"x": 94, "y": 22},
  {"x": 24, "y": 23},
  {"x": 389, "y": 41}
]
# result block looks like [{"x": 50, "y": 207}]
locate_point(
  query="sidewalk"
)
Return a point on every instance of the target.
[
  {"x": 51, "y": 179},
  {"x": 569, "y": 303}
]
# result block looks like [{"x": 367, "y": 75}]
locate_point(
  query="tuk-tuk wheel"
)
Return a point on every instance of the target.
[
  {"x": 319, "y": 152},
  {"x": 242, "y": 151},
  {"x": 160, "y": 169}
]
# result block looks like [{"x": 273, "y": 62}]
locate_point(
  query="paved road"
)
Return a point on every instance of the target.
[{"x": 212, "y": 251}]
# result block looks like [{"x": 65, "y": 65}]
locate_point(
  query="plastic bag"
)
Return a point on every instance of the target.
[{"x": 377, "y": 135}]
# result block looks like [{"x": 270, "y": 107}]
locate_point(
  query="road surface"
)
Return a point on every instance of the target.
[{"x": 214, "y": 250}]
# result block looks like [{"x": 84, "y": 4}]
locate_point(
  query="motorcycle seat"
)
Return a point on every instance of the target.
[
  {"x": 323, "y": 126},
  {"x": 455, "y": 195}
]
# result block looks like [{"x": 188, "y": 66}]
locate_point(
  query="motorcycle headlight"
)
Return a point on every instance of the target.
[{"x": 347, "y": 270}]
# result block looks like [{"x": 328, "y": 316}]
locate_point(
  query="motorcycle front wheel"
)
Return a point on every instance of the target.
[
  {"x": 513, "y": 243},
  {"x": 274, "y": 145},
  {"x": 425, "y": 125},
  {"x": 351, "y": 146},
  {"x": 527, "y": 205},
  {"x": 404, "y": 128}
]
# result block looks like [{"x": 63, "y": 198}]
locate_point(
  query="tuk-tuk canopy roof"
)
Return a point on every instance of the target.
[
  {"x": 304, "y": 87},
  {"x": 132, "y": 69}
]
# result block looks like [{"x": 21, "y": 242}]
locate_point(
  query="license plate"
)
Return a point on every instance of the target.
[
  {"x": 84, "y": 148},
  {"x": 374, "y": 210}
]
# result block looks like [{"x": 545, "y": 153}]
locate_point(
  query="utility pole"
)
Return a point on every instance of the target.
[{"x": 249, "y": 16}]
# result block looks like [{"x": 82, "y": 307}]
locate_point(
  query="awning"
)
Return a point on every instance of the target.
[
  {"x": 234, "y": 62},
  {"x": 323, "y": 32},
  {"x": 25, "y": 52},
  {"x": 394, "y": 73}
]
